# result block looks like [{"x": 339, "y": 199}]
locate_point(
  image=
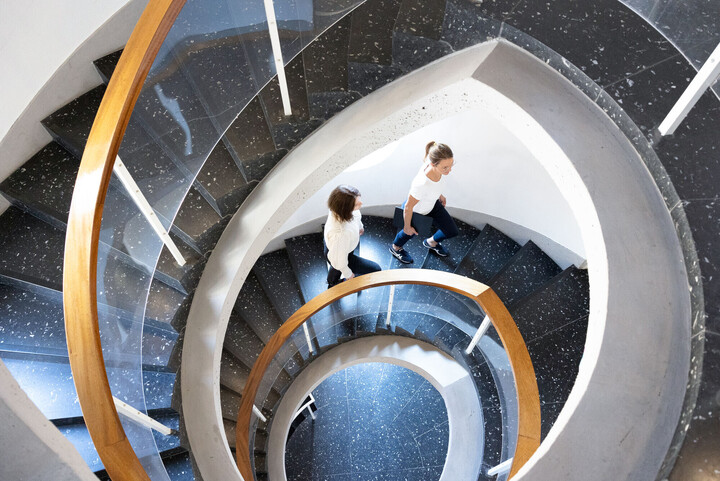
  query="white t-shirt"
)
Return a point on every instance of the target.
[
  {"x": 341, "y": 238},
  {"x": 426, "y": 191}
]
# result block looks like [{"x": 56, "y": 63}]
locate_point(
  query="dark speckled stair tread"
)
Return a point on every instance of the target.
[
  {"x": 224, "y": 186},
  {"x": 323, "y": 105},
  {"x": 197, "y": 223},
  {"x": 422, "y": 18},
  {"x": 106, "y": 65},
  {"x": 450, "y": 336},
  {"x": 371, "y": 31},
  {"x": 464, "y": 25},
  {"x": 32, "y": 250},
  {"x": 182, "y": 278},
  {"x": 491, "y": 251},
  {"x": 556, "y": 358},
  {"x": 249, "y": 136},
  {"x": 528, "y": 270},
  {"x": 20, "y": 310},
  {"x": 233, "y": 374},
  {"x": 163, "y": 302},
  {"x": 411, "y": 52},
  {"x": 325, "y": 60},
  {"x": 44, "y": 184},
  {"x": 309, "y": 264},
  {"x": 557, "y": 303},
  {"x": 275, "y": 274},
  {"x": 365, "y": 78},
  {"x": 242, "y": 342}
]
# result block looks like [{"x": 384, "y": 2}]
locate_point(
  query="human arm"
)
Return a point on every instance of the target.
[
  {"x": 339, "y": 245},
  {"x": 407, "y": 215}
]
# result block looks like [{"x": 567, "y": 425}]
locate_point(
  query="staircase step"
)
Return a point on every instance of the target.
[
  {"x": 256, "y": 169},
  {"x": 450, "y": 336},
  {"x": 79, "y": 436},
  {"x": 32, "y": 322},
  {"x": 224, "y": 187},
  {"x": 233, "y": 374},
  {"x": 309, "y": 264},
  {"x": 288, "y": 131},
  {"x": 275, "y": 273},
  {"x": 421, "y": 18},
  {"x": 249, "y": 136},
  {"x": 229, "y": 427},
  {"x": 365, "y": 78},
  {"x": 106, "y": 65},
  {"x": 492, "y": 250},
  {"x": 371, "y": 31},
  {"x": 157, "y": 344},
  {"x": 528, "y": 270},
  {"x": 411, "y": 52},
  {"x": 180, "y": 468},
  {"x": 43, "y": 186},
  {"x": 323, "y": 105},
  {"x": 464, "y": 25},
  {"x": 33, "y": 250},
  {"x": 325, "y": 60},
  {"x": 197, "y": 223},
  {"x": 254, "y": 307},
  {"x": 563, "y": 300},
  {"x": 181, "y": 278},
  {"x": 229, "y": 404},
  {"x": 556, "y": 358},
  {"x": 163, "y": 303}
]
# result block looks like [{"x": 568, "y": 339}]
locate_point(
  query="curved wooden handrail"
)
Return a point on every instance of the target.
[
  {"x": 83, "y": 233},
  {"x": 528, "y": 439}
]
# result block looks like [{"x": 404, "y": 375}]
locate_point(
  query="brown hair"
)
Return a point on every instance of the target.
[
  {"x": 342, "y": 201},
  {"x": 436, "y": 152}
]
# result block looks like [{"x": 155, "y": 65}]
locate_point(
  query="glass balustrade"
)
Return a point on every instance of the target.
[{"x": 433, "y": 315}]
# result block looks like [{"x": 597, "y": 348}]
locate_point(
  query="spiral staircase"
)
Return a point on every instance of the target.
[{"x": 373, "y": 45}]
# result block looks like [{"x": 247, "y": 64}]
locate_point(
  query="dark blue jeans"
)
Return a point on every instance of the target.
[
  {"x": 358, "y": 265},
  {"x": 441, "y": 219}
]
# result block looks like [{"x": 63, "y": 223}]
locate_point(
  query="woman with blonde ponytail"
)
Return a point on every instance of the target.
[{"x": 426, "y": 198}]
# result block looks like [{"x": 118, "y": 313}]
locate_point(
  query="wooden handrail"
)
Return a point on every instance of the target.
[
  {"x": 528, "y": 439},
  {"x": 83, "y": 234}
]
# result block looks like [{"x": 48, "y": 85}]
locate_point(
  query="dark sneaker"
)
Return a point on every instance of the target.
[
  {"x": 437, "y": 249},
  {"x": 401, "y": 255}
]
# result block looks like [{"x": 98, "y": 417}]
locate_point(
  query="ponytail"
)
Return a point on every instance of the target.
[{"x": 436, "y": 152}]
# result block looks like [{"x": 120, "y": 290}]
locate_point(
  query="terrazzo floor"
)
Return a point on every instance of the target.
[{"x": 375, "y": 422}]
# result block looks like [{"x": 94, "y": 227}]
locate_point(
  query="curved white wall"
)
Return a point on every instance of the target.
[
  {"x": 46, "y": 64},
  {"x": 495, "y": 174}
]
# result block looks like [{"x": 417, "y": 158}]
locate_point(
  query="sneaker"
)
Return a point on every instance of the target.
[
  {"x": 437, "y": 249},
  {"x": 401, "y": 255}
]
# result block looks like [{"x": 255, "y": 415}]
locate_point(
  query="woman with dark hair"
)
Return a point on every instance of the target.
[
  {"x": 426, "y": 198},
  {"x": 343, "y": 229}
]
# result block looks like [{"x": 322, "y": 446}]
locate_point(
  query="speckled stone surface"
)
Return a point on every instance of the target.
[
  {"x": 197, "y": 222},
  {"x": 365, "y": 78},
  {"x": 32, "y": 250},
  {"x": 529, "y": 269},
  {"x": 374, "y": 421},
  {"x": 222, "y": 182},
  {"x": 411, "y": 52},
  {"x": 31, "y": 322},
  {"x": 249, "y": 135},
  {"x": 325, "y": 59},
  {"x": 158, "y": 388},
  {"x": 179, "y": 468},
  {"x": 106, "y": 65},
  {"x": 421, "y": 18},
  {"x": 562, "y": 301},
  {"x": 371, "y": 31},
  {"x": 271, "y": 100},
  {"x": 43, "y": 185},
  {"x": 324, "y": 105},
  {"x": 492, "y": 250}
]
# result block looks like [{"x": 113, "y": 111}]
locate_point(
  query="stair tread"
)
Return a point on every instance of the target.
[
  {"x": 421, "y": 18},
  {"x": 233, "y": 374},
  {"x": 464, "y": 25},
  {"x": 323, "y": 105},
  {"x": 197, "y": 222},
  {"x": 528, "y": 270},
  {"x": 411, "y": 52},
  {"x": 106, "y": 65},
  {"x": 491, "y": 251},
  {"x": 223, "y": 182},
  {"x": 44, "y": 184},
  {"x": 365, "y": 78},
  {"x": 249, "y": 136},
  {"x": 325, "y": 59},
  {"x": 371, "y": 31},
  {"x": 561, "y": 301}
]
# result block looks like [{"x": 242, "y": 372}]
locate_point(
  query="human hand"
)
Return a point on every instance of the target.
[
  {"x": 351, "y": 276},
  {"x": 410, "y": 230},
  {"x": 443, "y": 200},
  {"x": 362, "y": 231}
]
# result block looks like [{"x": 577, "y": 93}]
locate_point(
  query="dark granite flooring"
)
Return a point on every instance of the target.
[{"x": 375, "y": 421}]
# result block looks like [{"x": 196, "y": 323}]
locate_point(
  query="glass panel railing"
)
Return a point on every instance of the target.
[
  {"x": 215, "y": 60},
  {"x": 443, "y": 318}
]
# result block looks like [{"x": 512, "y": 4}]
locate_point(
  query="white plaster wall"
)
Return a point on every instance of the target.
[
  {"x": 46, "y": 50},
  {"x": 495, "y": 174}
]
